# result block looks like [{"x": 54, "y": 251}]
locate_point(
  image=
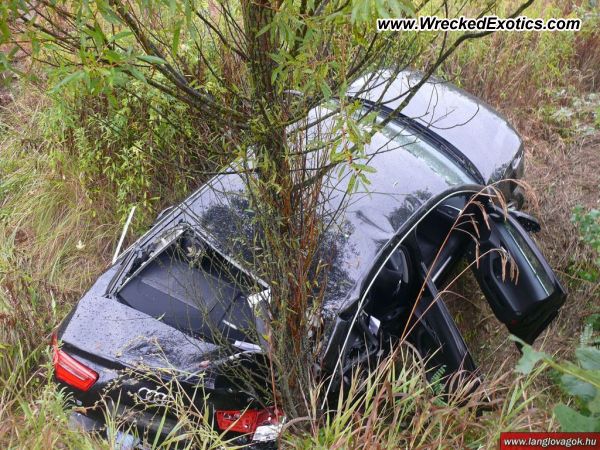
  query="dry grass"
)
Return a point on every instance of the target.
[{"x": 396, "y": 407}]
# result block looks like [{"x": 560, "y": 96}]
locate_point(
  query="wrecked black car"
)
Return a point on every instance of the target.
[{"x": 178, "y": 303}]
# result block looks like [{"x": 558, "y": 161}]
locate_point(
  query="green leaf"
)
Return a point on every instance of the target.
[
  {"x": 154, "y": 60},
  {"x": 109, "y": 15},
  {"x": 589, "y": 376},
  {"x": 4, "y": 31},
  {"x": 594, "y": 404},
  {"x": 361, "y": 10},
  {"x": 96, "y": 34},
  {"x": 119, "y": 36},
  {"x": 119, "y": 78},
  {"x": 574, "y": 386},
  {"x": 589, "y": 357},
  {"x": 594, "y": 319},
  {"x": 113, "y": 57},
  {"x": 365, "y": 168},
  {"x": 71, "y": 78},
  {"x": 326, "y": 90},
  {"x": 352, "y": 183},
  {"x": 173, "y": 6},
  {"x": 343, "y": 89},
  {"x": 529, "y": 359},
  {"x": 573, "y": 421},
  {"x": 188, "y": 15},
  {"x": 137, "y": 73},
  {"x": 264, "y": 29},
  {"x": 176, "y": 36},
  {"x": 400, "y": 8}
]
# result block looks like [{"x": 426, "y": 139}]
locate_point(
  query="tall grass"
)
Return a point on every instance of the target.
[
  {"x": 395, "y": 406},
  {"x": 53, "y": 240},
  {"x": 63, "y": 192},
  {"x": 72, "y": 165}
]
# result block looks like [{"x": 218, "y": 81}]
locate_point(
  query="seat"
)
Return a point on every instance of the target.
[{"x": 391, "y": 286}]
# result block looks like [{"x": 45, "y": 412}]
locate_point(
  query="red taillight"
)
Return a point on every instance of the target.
[
  {"x": 246, "y": 421},
  {"x": 68, "y": 370}
]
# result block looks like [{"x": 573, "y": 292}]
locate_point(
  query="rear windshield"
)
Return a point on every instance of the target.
[{"x": 189, "y": 286}]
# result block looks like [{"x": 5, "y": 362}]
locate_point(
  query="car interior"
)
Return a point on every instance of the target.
[
  {"x": 431, "y": 249},
  {"x": 423, "y": 261},
  {"x": 518, "y": 284}
]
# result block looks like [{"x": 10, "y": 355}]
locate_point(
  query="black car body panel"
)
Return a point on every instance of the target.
[
  {"x": 483, "y": 135},
  {"x": 113, "y": 332},
  {"x": 157, "y": 309}
]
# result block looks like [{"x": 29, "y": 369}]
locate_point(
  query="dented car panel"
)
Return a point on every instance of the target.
[{"x": 180, "y": 305}]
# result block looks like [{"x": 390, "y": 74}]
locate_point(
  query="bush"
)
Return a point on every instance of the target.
[
  {"x": 136, "y": 144},
  {"x": 71, "y": 167}
]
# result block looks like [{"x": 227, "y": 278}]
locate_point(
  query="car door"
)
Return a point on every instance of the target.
[{"x": 517, "y": 281}]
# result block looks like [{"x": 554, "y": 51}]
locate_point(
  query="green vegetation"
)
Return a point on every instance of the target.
[
  {"x": 588, "y": 223},
  {"x": 396, "y": 407},
  {"x": 84, "y": 140},
  {"x": 580, "y": 380}
]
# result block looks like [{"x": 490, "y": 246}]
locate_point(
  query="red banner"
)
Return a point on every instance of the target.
[{"x": 549, "y": 441}]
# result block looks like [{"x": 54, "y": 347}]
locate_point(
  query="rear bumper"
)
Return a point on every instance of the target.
[
  {"x": 128, "y": 441},
  {"x": 123, "y": 441}
]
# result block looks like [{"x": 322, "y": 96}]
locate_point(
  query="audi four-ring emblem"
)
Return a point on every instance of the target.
[{"x": 153, "y": 396}]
